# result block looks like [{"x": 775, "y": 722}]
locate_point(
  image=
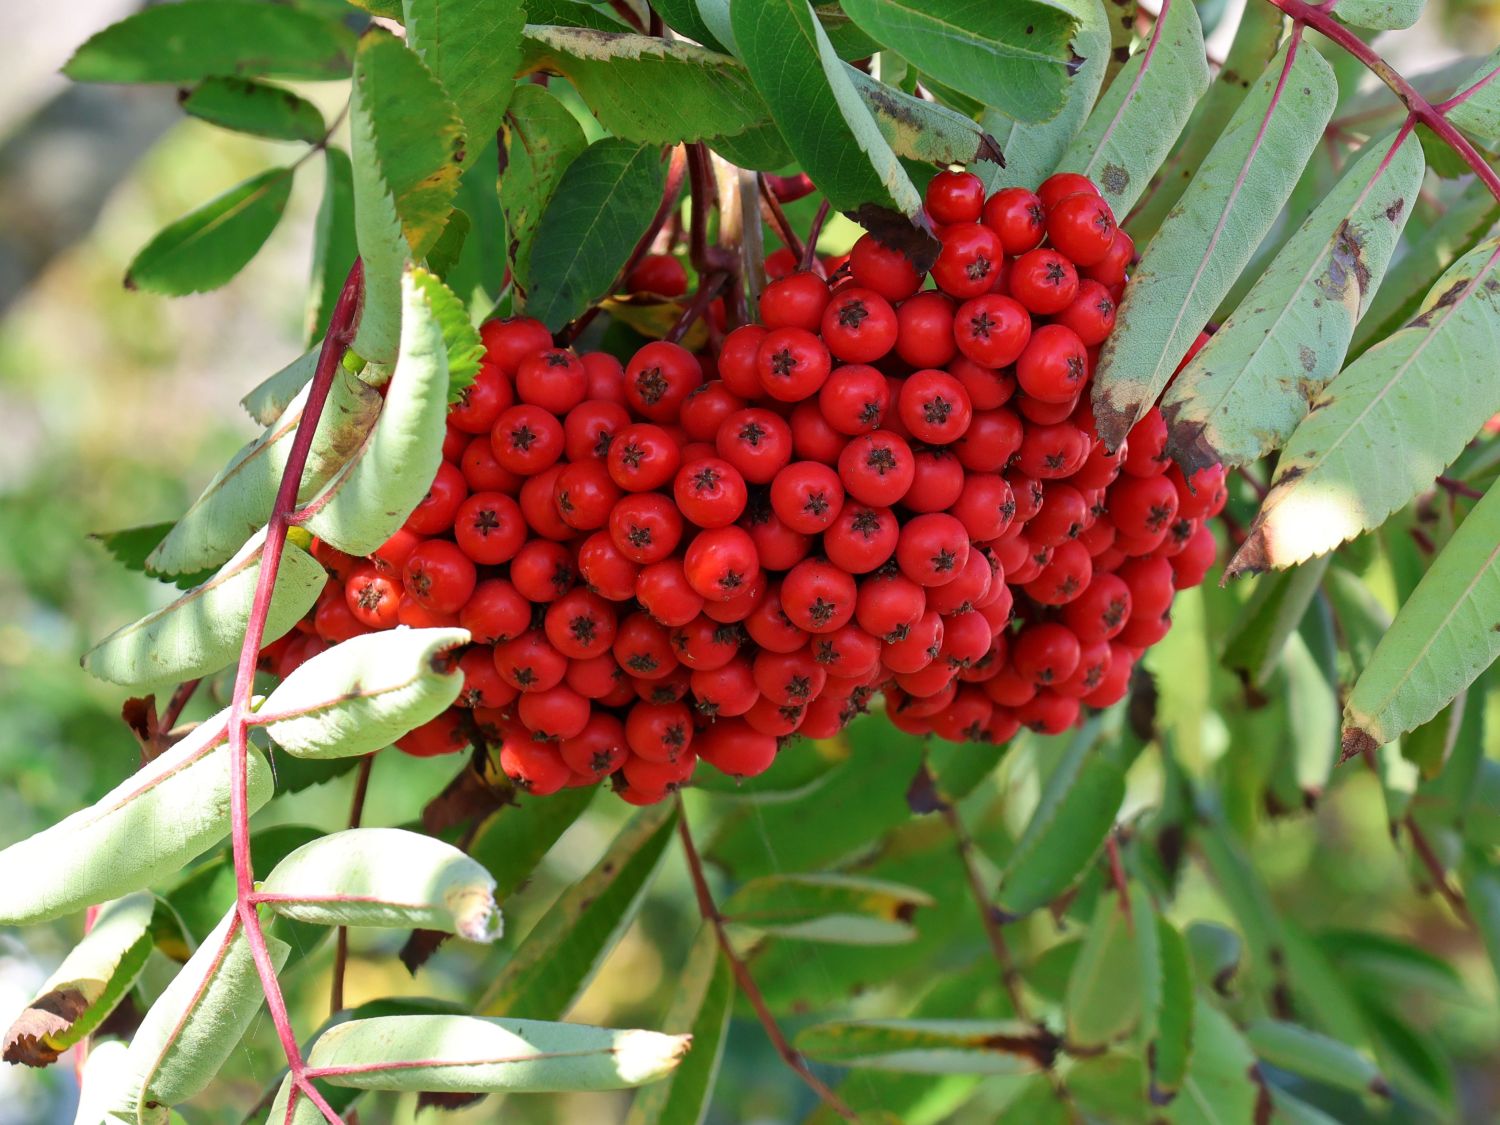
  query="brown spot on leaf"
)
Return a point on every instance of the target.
[
  {"x": 1308, "y": 358},
  {"x": 1449, "y": 297},
  {"x": 1347, "y": 262},
  {"x": 1356, "y": 741},
  {"x": 1393, "y": 212},
  {"x": 52, "y": 1014},
  {"x": 1253, "y": 557},
  {"x": 1114, "y": 178}
]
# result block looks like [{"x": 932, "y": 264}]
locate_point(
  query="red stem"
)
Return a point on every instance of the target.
[
  {"x": 341, "y": 945},
  {"x": 772, "y": 208},
  {"x": 339, "y": 336},
  {"x": 1419, "y": 107},
  {"x": 810, "y": 251},
  {"x": 707, "y": 291},
  {"x": 179, "y": 700}
]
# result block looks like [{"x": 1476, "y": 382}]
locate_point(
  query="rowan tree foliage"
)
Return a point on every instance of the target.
[{"x": 948, "y": 865}]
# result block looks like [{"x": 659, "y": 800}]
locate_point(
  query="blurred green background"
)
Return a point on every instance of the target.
[{"x": 116, "y": 407}]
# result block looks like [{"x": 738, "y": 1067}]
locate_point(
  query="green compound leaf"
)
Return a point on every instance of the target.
[
  {"x": 817, "y": 108},
  {"x": 648, "y": 90},
  {"x": 1016, "y": 57},
  {"x": 473, "y": 50},
  {"x": 206, "y": 248},
  {"x": 840, "y": 909},
  {"x": 603, "y": 203},
  {"x": 701, "y": 1008},
  {"x": 467, "y": 1054},
  {"x": 189, "y": 40},
  {"x": 371, "y": 496},
  {"x": 460, "y": 337},
  {"x": 1442, "y": 638},
  {"x": 1033, "y": 150},
  {"x": 1137, "y": 121},
  {"x": 408, "y": 153},
  {"x": 1075, "y": 813},
  {"x": 1387, "y": 425},
  {"x": 1245, "y": 392},
  {"x": 201, "y": 632},
  {"x": 240, "y": 497},
  {"x": 256, "y": 108},
  {"x": 1221, "y": 1083},
  {"x": 560, "y": 955},
  {"x": 385, "y": 877},
  {"x": 93, "y": 978},
  {"x": 930, "y": 1046},
  {"x": 1190, "y": 265},
  {"x": 541, "y": 139},
  {"x": 178, "y": 802},
  {"x": 194, "y": 1026},
  {"x": 334, "y": 245},
  {"x": 364, "y": 693},
  {"x": 922, "y": 130}
]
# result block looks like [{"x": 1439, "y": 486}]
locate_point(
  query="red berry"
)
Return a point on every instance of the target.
[
  {"x": 992, "y": 439},
  {"x": 642, "y": 457},
  {"x": 434, "y": 514},
  {"x": 1091, "y": 315},
  {"x": 580, "y": 624},
  {"x": 778, "y": 546},
  {"x": 489, "y": 528},
  {"x": 886, "y": 271},
  {"x": 992, "y": 330},
  {"x": 735, "y": 748},
  {"x": 924, "y": 330},
  {"x": 607, "y": 572},
  {"x": 554, "y": 379},
  {"x": 590, "y": 428},
  {"x": 807, "y": 496},
  {"x": 1018, "y": 217},
  {"x": 661, "y": 274},
  {"x": 529, "y": 663},
  {"x": 439, "y": 576},
  {"x": 817, "y": 596},
  {"x": 495, "y": 611},
  {"x": 791, "y": 364},
  {"x": 1142, "y": 506},
  {"x": 934, "y": 407},
  {"x": 707, "y": 407},
  {"x": 855, "y": 399},
  {"x": 937, "y": 481},
  {"x": 1046, "y": 654},
  {"x": 710, "y": 492},
  {"x": 442, "y": 735},
  {"x": 1110, "y": 270},
  {"x": 373, "y": 597},
  {"x": 1060, "y": 185},
  {"x": 877, "y": 468},
  {"x": 507, "y": 342},
  {"x": 483, "y": 473},
  {"x": 737, "y": 360},
  {"x": 481, "y": 401},
  {"x": 969, "y": 260},
  {"x": 534, "y": 767},
  {"x": 932, "y": 549},
  {"x": 1044, "y": 281},
  {"x": 794, "y": 301},
  {"x": 813, "y": 439},
  {"x": 1081, "y": 226},
  {"x": 659, "y": 378},
  {"x": 542, "y": 570},
  {"x": 985, "y": 506},
  {"x": 721, "y": 562},
  {"x": 859, "y": 326},
  {"x": 527, "y": 439},
  {"x": 598, "y": 749},
  {"x": 756, "y": 442},
  {"x": 955, "y": 197}
]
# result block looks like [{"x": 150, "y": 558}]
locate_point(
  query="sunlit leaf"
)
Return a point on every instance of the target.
[
  {"x": 473, "y": 50},
  {"x": 256, "y": 108}
]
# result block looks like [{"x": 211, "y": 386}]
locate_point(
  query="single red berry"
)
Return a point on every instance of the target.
[
  {"x": 807, "y": 496},
  {"x": 439, "y": 576},
  {"x": 720, "y": 562},
  {"x": 1065, "y": 577},
  {"x": 1054, "y": 366},
  {"x": 791, "y": 364},
  {"x": 538, "y": 500},
  {"x": 888, "y": 604},
  {"x": 489, "y": 528},
  {"x": 970, "y": 257},
  {"x": 1048, "y": 713},
  {"x": 794, "y": 301},
  {"x": 707, "y": 407},
  {"x": 888, "y": 272},
  {"x": 530, "y": 663},
  {"x": 527, "y": 439},
  {"x": 756, "y": 442},
  {"x": 1064, "y": 514},
  {"x": 605, "y": 570},
  {"x": 1146, "y": 446},
  {"x": 778, "y": 546},
  {"x": 542, "y": 570},
  {"x": 813, "y": 439},
  {"x": 992, "y": 439},
  {"x": 1060, "y": 185},
  {"x": 643, "y": 457},
  {"x": 781, "y": 262},
  {"x": 818, "y": 596},
  {"x": 954, "y": 197},
  {"x": 442, "y": 735},
  {"x": 643, "y": 647},
  {"x": 932, "y": 549},
  {"x": 534, "y": 767},
  {"x": 985, "y": 506},
  {"x": 585, "y": 494},
  {"x": 598, "y": 677},
  {"x": 937, "y": 480},
  {"x": 859, "y": 326},
  {"x": 598, "y": 749},
  {"x": 855, "y": 399},
  {"x": 1018, "y": 217},
  {"x": 1142, "y": 506},
  {"x": 481, "y": 401},
  {"x": 663, "y": 590},
  {"x": 924, "y": 330},
  {"x": 661, "y": 274},
  {"x": 1081, "y": 226},
  {"x": 861, "y": 538},
  {"x": 1044, "y": 281},
  {"x": 590, "y": 427},
  {"x": 736, "y": 748},
  {"x": 710, "y": 492},
  {"x": 1047, "y": 653},
  {"x": 877, "y": 468},
  {"x": 934, "y": 407},
  {"x": 962, "y": 595},
  {"x": 606, "y": 377},
  {"x": 992, "y": 330},
  {"x": 1091, "y": 315},
  {"x": 770, "y": 628},
  {"x": 495, "y": 611},
  {"x": 1202, "y": 494},
  {"x": 1100, "y": 610},
  {"x": 482, "y": 472},
  {"x": 1110, "y": 270},
  {"x": 580, "y": 624},
  {"x": 1191, "y": 565},
  {"x": 507, "y": 342},
  {"x": 917, "y": 647},
  {"x": 434, "y": 514},
  {"x": 554, "y": 379},
  {"x": 659, "y": 378},
  {"x": 737, "y": 360},
  {"x": 373, "y": 597}
]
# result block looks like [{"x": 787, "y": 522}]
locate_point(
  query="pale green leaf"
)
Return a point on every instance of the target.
[
  {"x": 1477, "y": 104},
  {"x": 1136, "y": 122},
  {"x": 541, "y": 139},
  {"x": 473, "y": 49},
  {"x": 602, "y": 205},
  {"x": 364, "y": 693},
  {"x": 270, "y": 398},
  {"x": 186, "y": 41},
  {"x": 256, "y": 108},
  {"x": 816, "y": 107},
  {"x": 1255, "y": 640},
  {"x": 206, "y": 248},
  {"x": 240, "y": 497},
  {"x": 194, "y": 1026},
  {"x": 469, "y": 1054},
  {"x": 93, "y": 978},
  {"x": 1227, "y": 209},
  {"x": 922, "y": 130},
  {"x": 371, "y": 496},
  {"x": 1380, "y": 15},
  {"x": 930, "y": 1046},
  {"x": 202, "y": 631},
  {"x": 385, "y": 877},
  {"x": 1016, "y": 57},
  {"x": 841, "y": 909},
  {"x": 1387, "y": 425},
  {"x": 334, "y": 246},
  {"x": 408, "y": 151},
  {"x": 1442, "y": 638},
  {"x": 1245, "y": 391},
  {"x": 145, "y": 829},
  {"x": 1033, "y": 150},
  {"x": 701, "y": 1007},
  {"x": 565, "y": 948}
]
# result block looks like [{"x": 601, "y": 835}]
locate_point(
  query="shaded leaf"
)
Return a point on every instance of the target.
[
  {"x": 269, "y": 400},
  {"x": 557, "y": 959},
  {"x": 917, "y": 129},
  {"x": 841, "y": 909},
  {"x": 206, "y": 248},
  {"x": 1443, "y": 637},
  {"x": 512, "y": 840},
  {"x": 1171, "y": 1049},
  {"x": 1016, "y": 57},
  {"x": 473, "y": 51},
  {"x": 202, "y": 631},
  {"x": 1259, "y": 633},
  {"x": 602, "y": 205},
  {"x": 541, "y": 139},
  {"x": 1104, "y": 997},
  {"x": 1243, "y": 394},
  {"x": 931, "y": 1046},
  {"x": 1319, "y": 1057},
  {"x": 186, "y": 41},
  {"x": 1137, "y": 121},
  {"x": 256, "y": 108},
  {"x": 1478, "y": 110},
  {"x": 1387, "y": 425},
  {"x": 1222, "y": 1084},
  {"x": 1190, "y": 264},
  {"x": 334, "y": 245}
]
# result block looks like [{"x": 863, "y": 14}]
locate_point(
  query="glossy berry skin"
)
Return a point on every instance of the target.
[
  {"x": 1046, "y": 653},
  {"x": 489, "y": 528},
  {"x": 818, "y": 596},
  {"x": 542, "y": 571},
  {"x": 1060, "y": 185},
  {"x": 737, "y": 360},
  {"x": 1018, "y": 217},
  {"x": 794, "y": 301},
  {"x": 659, "y": 732},
  {"x": 482, "y": 401},
  {"x": 924, "y": 330},
  {"x": 955, "y": 197},
  {"x": 707, "y": 407},
  {"x": 888, "y": 602},
  {"x": 807, "y": 496},
  {"x": 598, "y": 749},
  {"x": 434, "y": 514},
  {"x": 1111, "y": 269},
  {"x": 855, "y": 399},
  {"x": 1142, "y": 506},
  {"x": 1082, "y": 227},
  {"x": 496, "y": 611},
  {"x": 530, "y": 663},
  {"x": 527, "y": 439},
  {"x": 969, "y": 260},
  {"x": 1100, "y": 611},
  {"x": 859, "y": 326},
  {"x": 439, "y": 576},
  {"x": 721, "y": 562},
  {"x": 937, "y": 482},
  {"x": 934, "y": 407},
  {"x": 373, "y": 597},
  {"x": 791, "y": 364},
  {"x": 585, "y": 494},
  {"x": 1091, "y": 316},
  {"x": 991, "y": 330},
  {"x": 643, "y": 457},
  {"x": 861, "y": 538},
  {"x": 507, "y": 342},
  {"x": 736, "y": 748},
  {"x": 661, "y": 274},
  {"x": 1044, "y": 281},
  {"x": 932, "y": 549},
  {"x": 1054, "y": 366},
  {"x": 877, "y": 469},
  {"x": 442, "y": 735},
  {"x": 886, "y": 271},
  {"x": 554, "y": 379},
  {"x": 710, "y": 492},
  {"x": 757, "y": 442},
  {"x": 659, "y": 378}
]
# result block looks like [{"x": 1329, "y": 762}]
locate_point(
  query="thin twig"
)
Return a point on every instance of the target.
[
  {"x": 810, "y": 251},
  {"x": 746, "y": 982},
  {"x": 1459, "y": 488},
  {"x": 341, "y": 947},
  {"x": 1117, "y": 877},
  {"x": 771, "y": 208},
  {"x": 707, "y": 291},
  {"x": 175, "y": 705},
  {"x": 1435, "y": 870},
  {"x": 1010, "y": 976},
  {"x": 340, "y": 335}
]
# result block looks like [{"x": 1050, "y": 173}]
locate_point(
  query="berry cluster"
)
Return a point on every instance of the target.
[{"x": 878, "y": 488}]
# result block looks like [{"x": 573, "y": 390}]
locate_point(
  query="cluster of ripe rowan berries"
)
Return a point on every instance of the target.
[{"x": 879, "y": 488}]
